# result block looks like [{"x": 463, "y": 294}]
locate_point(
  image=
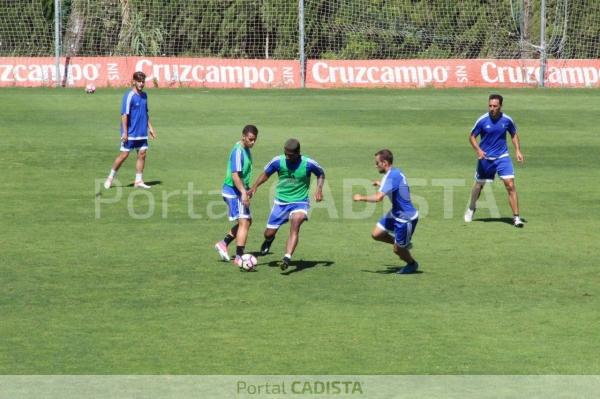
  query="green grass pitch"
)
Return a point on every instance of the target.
[{"x": 128, "y": 282}]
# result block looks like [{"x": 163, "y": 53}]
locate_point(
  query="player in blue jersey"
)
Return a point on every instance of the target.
[
  {"x": 135, "y": 126},
  {"x": 492, "y": 155},
  {"x": 291, "y": 195},
  {"x": 236, "y": 194},
  {"x": 398, "y": 225}
]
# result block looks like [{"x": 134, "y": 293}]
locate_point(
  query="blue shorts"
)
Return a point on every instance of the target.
[
  {"x": 140, "y": 145},
  {"x": 487, "y": 169},
  {"x": 280, "y": 213},
  {"x": 402, "y": 231},
  {"x": 237, "y": 210}
]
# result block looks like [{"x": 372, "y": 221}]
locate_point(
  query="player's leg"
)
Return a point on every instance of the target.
[
  {"x": 513, "y": 200},
  {"x": 507, "y": 174},
  {"x": 116, "y": 166},
  {"x": 403, "y": 232},
  {"x": 139, "y": 167},
  {"x": 383, "y": 230},
  {"x": 277, "y": 217},
  {"x": 233, "y": 205},
  {"x": 485, "y": 171},
  {"x": 296, "y": 220},
  {"x": 242, "y": 234}
]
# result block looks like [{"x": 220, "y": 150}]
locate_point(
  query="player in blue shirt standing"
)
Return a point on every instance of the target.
[
  {"x": 492, "y": 155},
  {"x": 236, "y": 194},
  {"x": 398, "y": 225},
  {"x": 135, "y": 126}
]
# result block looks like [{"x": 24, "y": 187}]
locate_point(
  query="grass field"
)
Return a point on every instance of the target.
[{"x": 127, "y": 282}]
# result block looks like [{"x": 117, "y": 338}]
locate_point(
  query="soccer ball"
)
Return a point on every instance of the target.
[
  {"x": 90, "y": 88},
  {"x": 249, "y": 262}
]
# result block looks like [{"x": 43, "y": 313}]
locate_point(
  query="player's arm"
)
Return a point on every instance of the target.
[
  {"x": 151, "y": 129},
  {"x": 124, "y": 124},
  {"x": 261, "y": 179},
  {"x": 377, "y": 197},
  {"x": 239, "y": 184},
  {"x": 473, "y": 140},
  {"x": 317, "y": 170},
  {"x": 517, "y": 143},
  {"x": 319, "y": 192}
]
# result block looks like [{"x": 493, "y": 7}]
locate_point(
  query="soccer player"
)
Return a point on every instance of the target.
[
  {"x": 492, "y": 155},
  {"x": 398, "y": 225},
  {"x": 236, "y": 195},
  {"x": 135, "y": 126},
  {"x": 291, "y": 195}
]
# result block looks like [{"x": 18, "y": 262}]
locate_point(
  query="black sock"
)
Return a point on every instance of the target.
[
  {"x": 269, "y": 240},
  {"x": 239, "y": 250},
  {"x": 228, "y": 238}
]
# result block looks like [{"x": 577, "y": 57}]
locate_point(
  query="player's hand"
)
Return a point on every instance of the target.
[
  {"x": 376, "y": 183},
  {"x": 124, "y": 138},
  {"x": 153, "y": 134},
  {"x": 480, "y": 154},
  {"x": 319, "y": 196},
  {"x": 251, "y": 192},
  {"x": 245, "y": 199},
  {"x": 357, "y": 197},
  {"x": 520, "y": 157}
]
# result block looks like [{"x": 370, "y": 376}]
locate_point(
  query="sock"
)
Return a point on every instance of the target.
[
  {"x": 138, "y": 177},
  {"x": 112, "y": 174},
  {"x": 516, "y": 215},
  {"x": 239, "y": 250},
  {"x": 269, "y": 240},
  {"x": 289, "y": 256},
  {"x": 228, "y": 238}
]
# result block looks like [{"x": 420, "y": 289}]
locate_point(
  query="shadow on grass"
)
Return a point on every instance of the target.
[
  {"x": 391, "y": 269},
  {"x": 300, "y": 265},
  {"x": 150, "y": 183},
  {"x": 498, "y": 220}
]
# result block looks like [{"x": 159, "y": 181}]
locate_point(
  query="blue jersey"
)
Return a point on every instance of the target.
[
  {"x": 395, "y": 187},
  {"x": 135, "y": 106},
  {"x": 493, "y": 134}
]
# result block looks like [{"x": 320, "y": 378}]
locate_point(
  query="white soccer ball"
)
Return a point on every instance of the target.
[
  {"x": 90, "y": 88},
  {"x": 249, "y": 262}
]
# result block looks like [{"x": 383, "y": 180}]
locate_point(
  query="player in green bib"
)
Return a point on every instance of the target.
[
  {"x": 291, "y": 195},
  {"x": 236, "y": 194}
]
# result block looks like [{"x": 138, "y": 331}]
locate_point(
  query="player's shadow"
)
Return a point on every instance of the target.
[
  {"x": 300, "y": 265},
  {"x": 150, "y": 183},
  {"x": 506, "y": 220},
  {"x": 391, "y": 269}
]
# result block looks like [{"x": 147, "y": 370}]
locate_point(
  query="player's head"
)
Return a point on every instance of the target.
[
  {"x": 291, "y": 149},
  {"x": 139, "y": 80},
  {"x": 249, "y": 136},
  {"x": 495, "y": 104},
  {"x": 384, "y": 160}
]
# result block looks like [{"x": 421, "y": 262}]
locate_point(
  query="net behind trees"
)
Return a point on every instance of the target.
[{"x": 335, "y": 29}]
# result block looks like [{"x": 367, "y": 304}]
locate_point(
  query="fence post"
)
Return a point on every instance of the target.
[
  {"x": 543, "y": 44},
  {"x": 57, "y": 31},
  {"x": 301, "y": 42}
]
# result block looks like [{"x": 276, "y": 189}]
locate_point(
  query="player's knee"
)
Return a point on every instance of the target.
[{"x": 142, "y": 155}]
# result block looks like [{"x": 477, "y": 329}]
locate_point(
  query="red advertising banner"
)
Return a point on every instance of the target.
[
  {"x": 451, "y": 73},
  {"x": 160, "y": 72},
  {"x": 260, "y": 74}
]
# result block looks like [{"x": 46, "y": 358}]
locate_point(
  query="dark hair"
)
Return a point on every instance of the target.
[
  {"x": 496, "y": 97},
  {"x": 292, "y": 145},
  {"x": 139, "y": 76},
  {"x": 385, "y": 155},
  {"x": 250, "y": 129}
]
